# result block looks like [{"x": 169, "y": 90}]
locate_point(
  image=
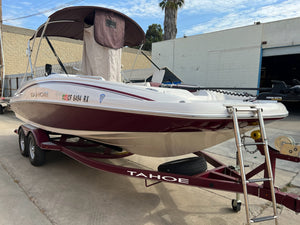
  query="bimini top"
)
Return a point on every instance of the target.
[{"x": 111, "y": 28}]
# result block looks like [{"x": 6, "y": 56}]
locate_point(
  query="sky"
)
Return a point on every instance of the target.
[{"x": 196, "y": 16}]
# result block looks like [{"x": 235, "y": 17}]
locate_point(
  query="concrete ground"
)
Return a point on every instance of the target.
[{"x": 65, "y": 192}]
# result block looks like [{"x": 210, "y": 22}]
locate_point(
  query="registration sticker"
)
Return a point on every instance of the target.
[
  {"x": 66, "y": 97},
  {"x": 102, "y": 96}
]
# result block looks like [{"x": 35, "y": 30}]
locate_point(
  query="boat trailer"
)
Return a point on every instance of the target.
[{"x": 34, "y": 141}]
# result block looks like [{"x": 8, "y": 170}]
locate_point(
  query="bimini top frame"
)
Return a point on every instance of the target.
[{"x": 70, "y": 23}]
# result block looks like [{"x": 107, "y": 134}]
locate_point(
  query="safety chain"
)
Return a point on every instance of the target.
[
  {"x": 244, "y": 94},
  {"x": 243, "y": 139}
]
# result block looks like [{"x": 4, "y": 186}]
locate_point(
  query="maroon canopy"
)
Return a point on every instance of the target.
[{"x": 111, "y": 28}]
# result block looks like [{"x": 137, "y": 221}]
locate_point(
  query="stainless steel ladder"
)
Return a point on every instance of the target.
[{"x": 256, "y": 112}]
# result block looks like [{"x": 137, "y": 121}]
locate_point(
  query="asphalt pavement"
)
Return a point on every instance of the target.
[{"x": 65, "y": 192}]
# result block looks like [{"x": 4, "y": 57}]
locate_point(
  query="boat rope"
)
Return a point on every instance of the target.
[{"x": 245, "y": 94}]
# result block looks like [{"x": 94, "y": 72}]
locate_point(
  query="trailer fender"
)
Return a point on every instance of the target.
[{"x": 39, "y": 135}]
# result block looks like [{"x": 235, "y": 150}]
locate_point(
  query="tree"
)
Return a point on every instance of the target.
[
  {"x": 170, "y": 22},
  {"x": 153, "y": 34}
]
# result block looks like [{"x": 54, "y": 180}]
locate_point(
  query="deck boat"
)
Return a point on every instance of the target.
[{"x": 141, "y": 119}]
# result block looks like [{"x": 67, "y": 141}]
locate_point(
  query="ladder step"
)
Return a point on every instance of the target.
[
  {"x": 261, "y": 219},
  {"x": 247, "y": 109},
  {"x": 258, "y": 180},
  {"x": 256, "y": 143}
]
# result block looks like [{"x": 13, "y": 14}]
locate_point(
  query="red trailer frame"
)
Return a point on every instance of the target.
[{"x": 221, "y": 177}]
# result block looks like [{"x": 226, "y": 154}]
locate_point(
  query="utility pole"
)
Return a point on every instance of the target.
[{"x": 1, "y": 54}]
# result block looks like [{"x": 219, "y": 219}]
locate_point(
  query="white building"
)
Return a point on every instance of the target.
[{"x": 249, "y": 56}]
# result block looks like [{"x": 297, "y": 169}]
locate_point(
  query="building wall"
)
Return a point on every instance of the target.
[
  {"x": 214, "y": 59},
  {"x": 228, "y": 58},
  {"x": 15, "y": 42},
  {"x": 281, "y": 33}
]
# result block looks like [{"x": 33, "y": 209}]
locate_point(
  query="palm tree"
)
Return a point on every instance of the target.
[{"x": 170, "y": 22}]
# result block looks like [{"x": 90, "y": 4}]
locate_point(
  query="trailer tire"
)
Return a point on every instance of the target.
[
  {"x": 188, "y": 166},
  {"x": 36, "y": 154},
  {"x": 23, "y": 143},
  {"x": 1, "y": 109}
]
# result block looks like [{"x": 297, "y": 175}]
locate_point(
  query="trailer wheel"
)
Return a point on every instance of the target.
[
  {"x": 23, "y": 143},
  {"x": 236, "y": 205},
  {"x": 1, "y": 109},
  {"x": 36, "y": 154},
  {"x": 187, "y": 166}
]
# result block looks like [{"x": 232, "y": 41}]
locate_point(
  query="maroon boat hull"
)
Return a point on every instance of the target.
[{"x": 83, "y": 118}]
